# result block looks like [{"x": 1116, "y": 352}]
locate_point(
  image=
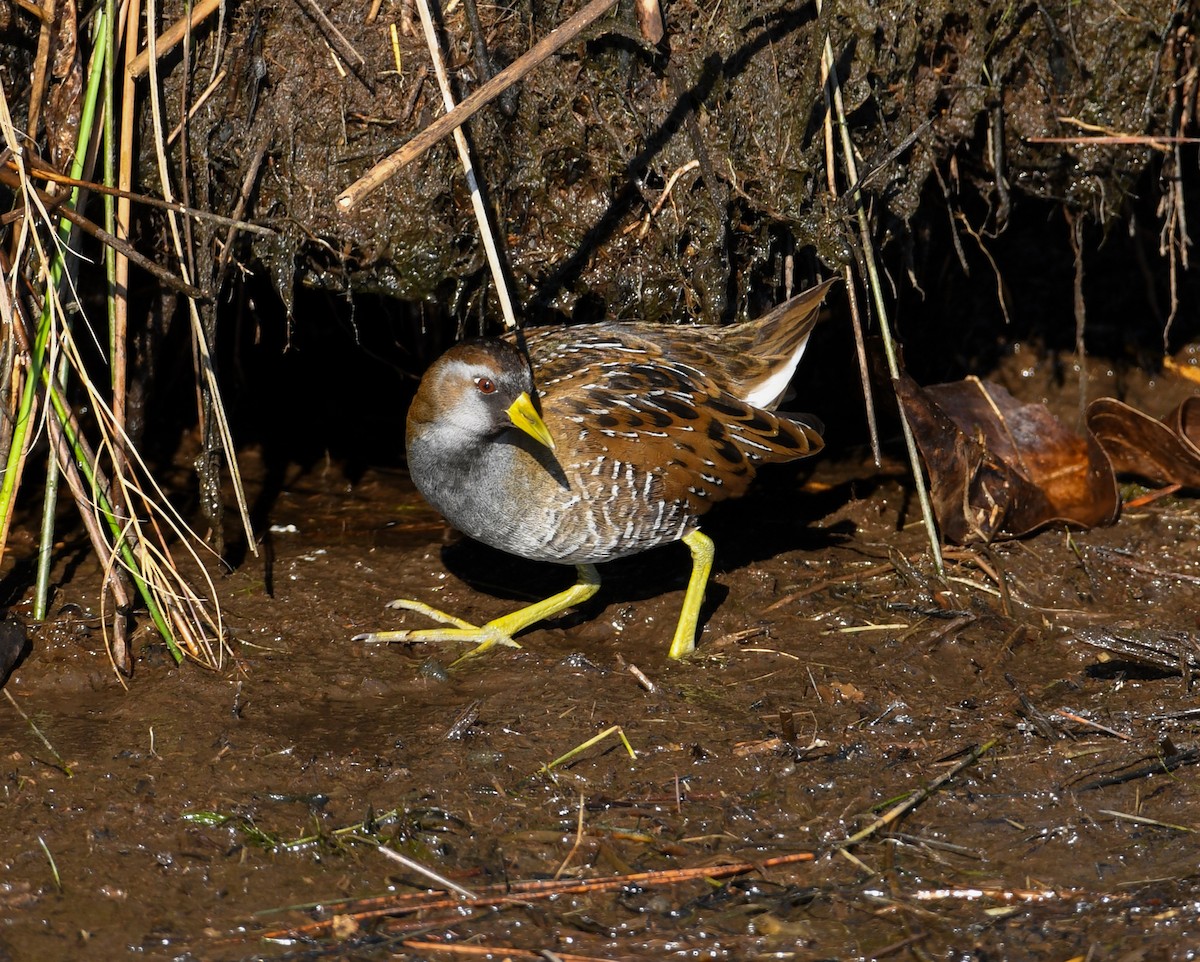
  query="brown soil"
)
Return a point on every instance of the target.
[{"x": 833, "y": 678}]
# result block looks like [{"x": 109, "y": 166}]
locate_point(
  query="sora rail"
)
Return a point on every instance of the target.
[{"x": 637, "y": 431}]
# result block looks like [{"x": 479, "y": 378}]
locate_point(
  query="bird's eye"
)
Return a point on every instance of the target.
[{"x": 486, "y": 385}]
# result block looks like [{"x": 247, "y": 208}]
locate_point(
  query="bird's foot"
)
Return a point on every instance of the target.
[
  {"x": 485, "y": 637},
  {"x": 498, "y": 631}
]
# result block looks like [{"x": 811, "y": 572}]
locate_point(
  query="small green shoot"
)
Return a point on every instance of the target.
[
  {"x": 563, "y": 759},
  {"x": 358, "y": 832},
  {"x": 53, "y": 867}
]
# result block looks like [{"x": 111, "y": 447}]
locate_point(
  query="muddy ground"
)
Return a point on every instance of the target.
[
  {"x": 835, "y": 676},
  {"x": 220, "y": 815}
]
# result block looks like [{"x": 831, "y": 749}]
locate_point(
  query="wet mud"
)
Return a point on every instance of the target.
[{"x": 224, "y": 814}]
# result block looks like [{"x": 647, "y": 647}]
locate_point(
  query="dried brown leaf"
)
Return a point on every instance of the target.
[
  {"x": 1000, "y": 468},
  {"x": 1165, "y": 452}
]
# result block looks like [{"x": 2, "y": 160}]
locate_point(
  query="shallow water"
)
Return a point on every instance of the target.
[{"x": 833, "y": 677}]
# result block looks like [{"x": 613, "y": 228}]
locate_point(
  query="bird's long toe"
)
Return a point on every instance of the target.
[
  {"x": 434, "y": 614},
  {"x": 484, "y": 637}
]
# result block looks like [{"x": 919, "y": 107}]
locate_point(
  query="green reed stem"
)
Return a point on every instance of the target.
[
  {"x": 41, "y": 593},
  {"x": 87, "y": 123},
  {"x": 99, "y": 69}
]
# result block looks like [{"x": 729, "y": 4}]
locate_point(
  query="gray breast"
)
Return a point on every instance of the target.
[{"x": 521, "y": 500}]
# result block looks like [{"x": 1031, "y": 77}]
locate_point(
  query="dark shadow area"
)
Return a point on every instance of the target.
[
  {"x": 14, "y": 646},
  {"x": 956, "y": 325},
  {"x": 1119, "y": 670},
  {"x": 17, "y": 580}
]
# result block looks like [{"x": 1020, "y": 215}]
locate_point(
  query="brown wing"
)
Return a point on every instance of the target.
[
  {"x": 606, "y": 391},
  {"x": 753, "y": 360}
]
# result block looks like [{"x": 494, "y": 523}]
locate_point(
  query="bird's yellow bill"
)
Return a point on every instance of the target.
[{"x": 524, "y": 415}]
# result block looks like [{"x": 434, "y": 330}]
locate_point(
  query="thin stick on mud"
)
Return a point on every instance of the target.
[
  {"x": 997, "y": 894},
  {"x": 494, "y": 951},
  {"x": 486, "y": 234},
  {"x": 507, "y": 893},
  {"x": 387, "y": 168},
  {"x": 1143, "y": 820},
  {"x": 857, "y": 576},
  {"x": 578, "y": 841},
  {"x": 917, "y": 797},
  {"x": 1080, "y": 720},
  {"x": 426, "y": 872}
]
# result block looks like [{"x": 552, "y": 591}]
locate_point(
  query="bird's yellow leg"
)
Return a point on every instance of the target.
[
  {"x": 684, "y": 642},
  {"x": 500, "y": 631}
]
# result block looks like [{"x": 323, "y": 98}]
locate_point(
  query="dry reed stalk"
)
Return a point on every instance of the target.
[
  {"x": 510, "y": 893},
  {"x": 486, "y": 233},
  {"x": 41, "y": 62},
  {"x": 835, "y": 105},
  {"x": 107, "y": 479},
  {"x": 199, "y": 338},
  {"x": 125, "y": 161},
  {"x": 167, "y": 40}
]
